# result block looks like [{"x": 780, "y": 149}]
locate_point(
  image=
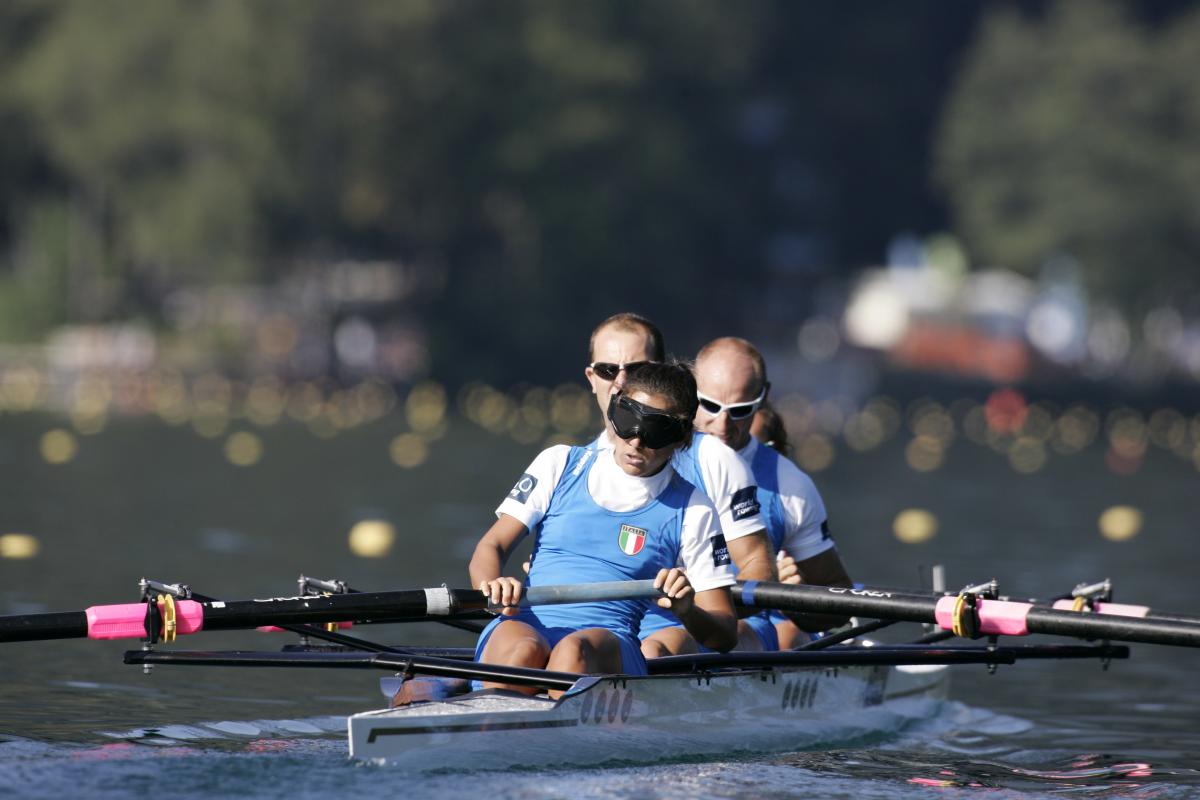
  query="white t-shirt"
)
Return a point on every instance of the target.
[
  {"x": 726, "y": 476},
  {"x": 806, "y": 530},
  {"x": 613, "y": 489}
]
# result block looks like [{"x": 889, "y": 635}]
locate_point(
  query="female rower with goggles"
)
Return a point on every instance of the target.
[{"x": 605, "y": 514}]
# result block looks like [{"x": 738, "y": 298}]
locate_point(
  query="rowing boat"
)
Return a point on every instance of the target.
[
  {"x": 838, "y": 689},
  {"x": 653, "y": 718}
]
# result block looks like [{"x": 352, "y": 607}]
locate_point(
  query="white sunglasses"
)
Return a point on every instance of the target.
[{"x": 735, "y": 410}]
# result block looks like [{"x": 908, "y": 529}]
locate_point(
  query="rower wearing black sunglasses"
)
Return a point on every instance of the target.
[
  {"x": 731, "y": 377},
  {"x": 606, "y": 514},
  {"x": 620, "y": 347}
]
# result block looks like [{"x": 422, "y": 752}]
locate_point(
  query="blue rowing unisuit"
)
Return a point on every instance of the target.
[
  {"x": 765, "y": 466},
  {"x": 578, "y": 541}
]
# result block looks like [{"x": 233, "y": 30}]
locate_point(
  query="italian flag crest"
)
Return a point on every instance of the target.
[{"x": 631, "y": 540}]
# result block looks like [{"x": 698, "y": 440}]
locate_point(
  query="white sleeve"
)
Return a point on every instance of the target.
[
  {"x": 702, "y": 551},
  {"x": 731, "y": 487},
  {"x": 530, "y": 497},
  {"x": 807, "y": 523}
]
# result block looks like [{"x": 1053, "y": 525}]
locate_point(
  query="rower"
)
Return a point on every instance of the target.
[
  {"x": 732, "y": 380},
  {"x": 622, "y": 345},
  {"x": 600, "y": 514}
]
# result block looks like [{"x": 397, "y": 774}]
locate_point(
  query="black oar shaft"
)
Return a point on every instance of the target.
[
  {"x": 424, "y": 665},
  {"x": 828, "y": 600},
  {"x": 39, "y": 627},
  {"x": 362, "y": 608},
  {"x": 1149, "y": 630}
]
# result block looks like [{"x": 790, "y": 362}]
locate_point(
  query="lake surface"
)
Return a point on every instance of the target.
[{"x": 143, "y": 498}]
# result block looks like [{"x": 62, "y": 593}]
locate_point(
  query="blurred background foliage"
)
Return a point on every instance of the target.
[{"x": 538, "y": 162}]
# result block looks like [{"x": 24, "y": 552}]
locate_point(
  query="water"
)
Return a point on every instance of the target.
[{"x": 143, "y": 499}]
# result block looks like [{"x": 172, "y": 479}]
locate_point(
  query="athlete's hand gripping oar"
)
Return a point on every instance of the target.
[
  {"x": 130, "y": 620},
  {"x": 967, "y": 614}
]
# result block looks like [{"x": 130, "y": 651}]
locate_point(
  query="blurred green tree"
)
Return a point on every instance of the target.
[{"x": 1075, "y": 131}]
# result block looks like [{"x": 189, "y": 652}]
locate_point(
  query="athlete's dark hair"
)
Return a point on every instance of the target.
[
  {"x": 770, "y": 428},
  {"x": 634, "y": 323},
  {"x": 673, "y": 380}
]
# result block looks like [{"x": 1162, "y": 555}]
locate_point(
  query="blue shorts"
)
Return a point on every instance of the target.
[
  {"x": 632, "y": 660},
  {"x": 760, "y": 623},
  {"x": 764, "y": 627}
]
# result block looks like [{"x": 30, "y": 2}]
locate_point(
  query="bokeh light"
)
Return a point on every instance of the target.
[
  {"x": 19, "y": 546},
  {"x": 58, "y": 446},
  {"x": 915, "y": 525},
  {"x": 372, "y": 538},
  {"x": 408, "y": 450},
  {"x": 1120, "y": 523},
  {"x": 243, "y": 449},
  {"x": 1027, "y": 455},
  {"x": 924, "y": 453},
  {"x": 815, "y": 453},
  {"x": 425, "y": 406}
]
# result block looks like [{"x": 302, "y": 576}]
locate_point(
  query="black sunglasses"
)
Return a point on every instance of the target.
[
  {"x": 655, "y": 428},
  {"x": 608, "y": 370}
]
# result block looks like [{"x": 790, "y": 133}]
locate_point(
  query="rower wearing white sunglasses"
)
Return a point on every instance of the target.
[{"x": 731, "y": 379}]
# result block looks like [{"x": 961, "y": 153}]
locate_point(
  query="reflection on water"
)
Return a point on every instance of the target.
[{"x": 143, "y": 499}]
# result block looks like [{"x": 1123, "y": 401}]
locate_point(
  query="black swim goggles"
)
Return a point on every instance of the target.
[
  {"x": 609, "y": 371},
  {"x": 655, "y": 428}
]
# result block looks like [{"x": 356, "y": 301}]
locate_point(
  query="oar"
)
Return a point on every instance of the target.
[
  {"x": 424, "y": 665},
  {"x": 134, "y": 620},
  {"x": 889, "y": 655},
  {"x": 967, "y": 614}
]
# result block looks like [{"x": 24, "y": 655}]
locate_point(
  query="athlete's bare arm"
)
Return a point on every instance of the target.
[{"x": 755, "y": 561}]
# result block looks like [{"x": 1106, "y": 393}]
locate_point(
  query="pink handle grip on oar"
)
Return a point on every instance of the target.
[
  {"x": 128, "y": 620},
  {"x": 1001, "y": 617},
  {"x": 1116, "y": 609}
]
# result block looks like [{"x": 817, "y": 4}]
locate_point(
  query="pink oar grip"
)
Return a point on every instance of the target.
[
  {"x": 1116, "y": 609},
  {"x": 189, "y": 617},
  {"x": 124, "y": 621},
  {"x": 1001, "y": 617},
  {"x": 128, "y": 620}
]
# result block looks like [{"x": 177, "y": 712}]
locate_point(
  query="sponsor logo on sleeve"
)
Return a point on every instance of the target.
[
  {"x": 720, "y": 551},
  {"x": 825, "y": 534},
  {"x": 744, "y": 503},
  {"x": 631, "y": 540},
  {"x": 524, "y": 487}
]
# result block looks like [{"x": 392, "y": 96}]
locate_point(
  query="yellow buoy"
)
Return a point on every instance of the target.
[
  {"x": 18, "y": 546},
  {"x": 915, "y": 525},
  {"x": 1120, "y": 523},
  {"x": 372, "y": 538}
]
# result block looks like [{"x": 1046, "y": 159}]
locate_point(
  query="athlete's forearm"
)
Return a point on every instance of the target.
[
  {"x": 755, "y": 562},
  {"x": 487, "y": 563},
  {"x": 714, "y": 631}
]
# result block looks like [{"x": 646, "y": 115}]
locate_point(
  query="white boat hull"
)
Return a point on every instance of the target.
[{"x": 648, "y": 719}]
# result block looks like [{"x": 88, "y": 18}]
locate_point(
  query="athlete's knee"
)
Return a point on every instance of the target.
[
  {"x": 653, "y": 648},
  {"x": 747, "y": 638},
  {"x": 572, "y": 654}
]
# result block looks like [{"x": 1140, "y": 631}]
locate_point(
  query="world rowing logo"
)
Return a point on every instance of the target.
[
  {"x": 631, "y": 540},
  {"x": 521, "y": 491}
]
